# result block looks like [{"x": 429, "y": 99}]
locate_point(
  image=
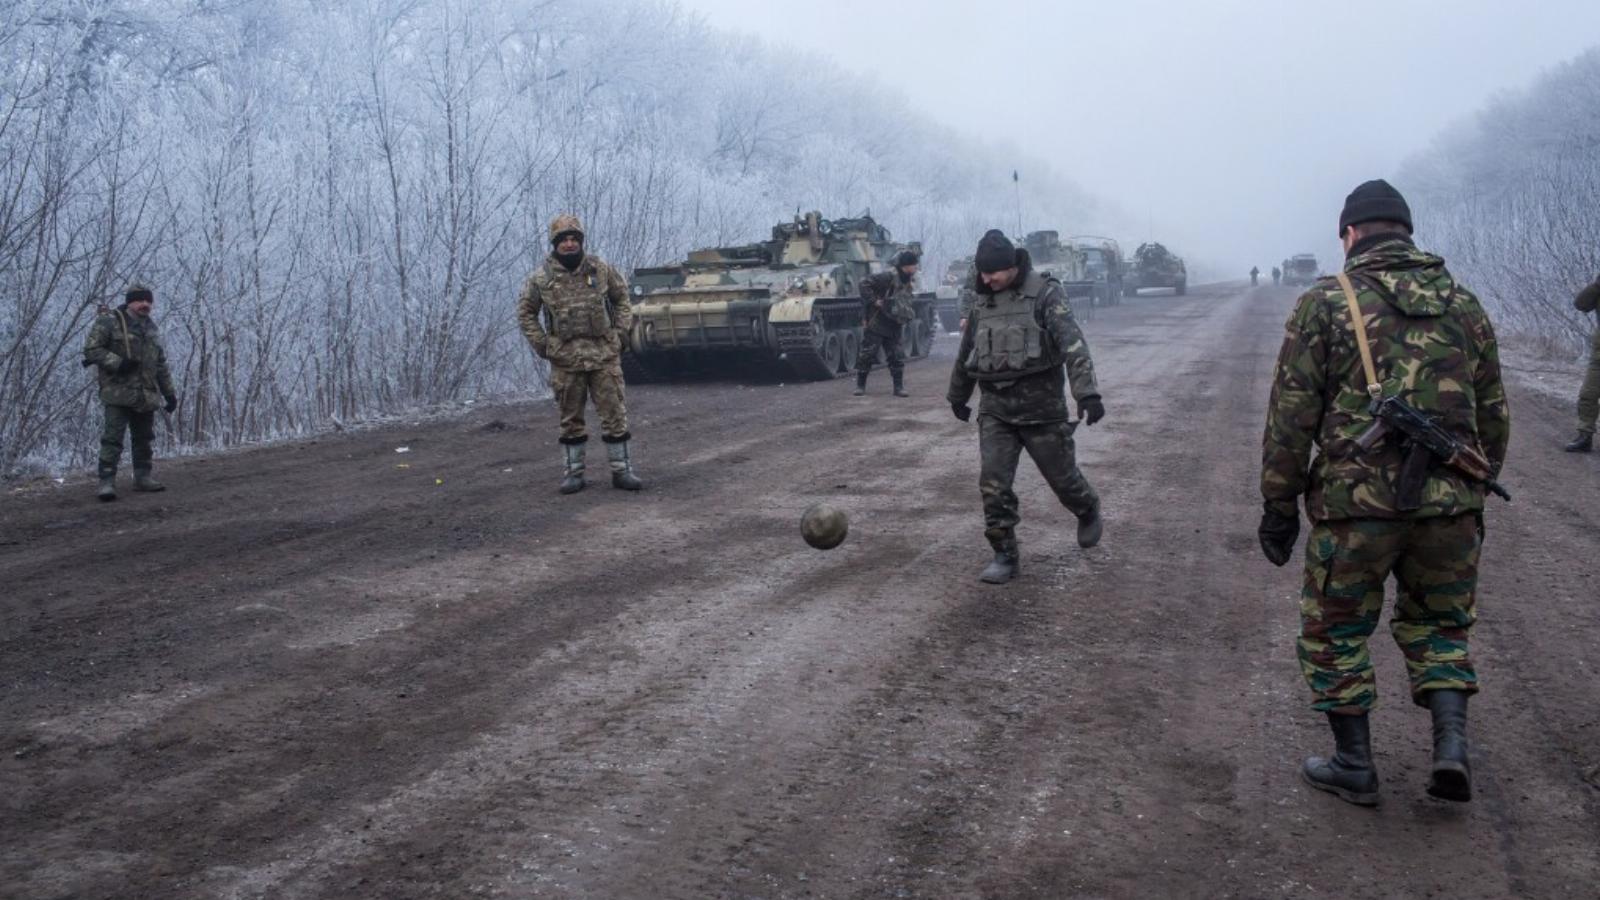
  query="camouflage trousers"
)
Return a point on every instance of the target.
[
  {"x": 573, "y": 388},
  {"x": 871, "y": 341},
  {"x": 1000, "y": 446},
  {"x": 1435, "y": 567},
  {"x": 141, "y": 425},
  {"x": 1589, "y": 394}
]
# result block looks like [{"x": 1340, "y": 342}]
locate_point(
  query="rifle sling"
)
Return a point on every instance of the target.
[{"x": 1374, "y": 389}]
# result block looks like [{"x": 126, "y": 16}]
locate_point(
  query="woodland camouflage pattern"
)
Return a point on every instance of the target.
[
  {"x": 883, "y": 326},
  {"x": 1432, "y": 345},
  {"x": 119, "y": 335},
  {"x": 1435, "y": 564},
  {"x": 1587, "y": 301}
]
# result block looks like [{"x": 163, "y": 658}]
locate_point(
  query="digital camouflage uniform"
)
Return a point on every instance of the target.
[
  {"x": 1020, "y": 348},
  {"x": 882, "y": 326},
  {"x": 1589, "y": 394},
  {"x": 575, "y": 320},
  {"x": 130, "y": 398},
  {"x": 1433, "y": 346}
]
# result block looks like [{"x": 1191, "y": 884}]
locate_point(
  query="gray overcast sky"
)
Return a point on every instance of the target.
[{"x": 1236, "y": 126}]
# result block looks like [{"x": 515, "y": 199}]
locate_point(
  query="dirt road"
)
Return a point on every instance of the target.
[{"x": 334, "y": 670}]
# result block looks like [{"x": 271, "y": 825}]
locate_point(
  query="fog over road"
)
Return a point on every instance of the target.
[{"x": 326, "y": 669}]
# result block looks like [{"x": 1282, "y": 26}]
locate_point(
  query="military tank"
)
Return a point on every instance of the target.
[{"x": 790, "y": 305}]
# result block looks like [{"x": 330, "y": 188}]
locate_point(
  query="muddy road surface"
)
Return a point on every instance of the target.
[{"x": 331, "y": 669}]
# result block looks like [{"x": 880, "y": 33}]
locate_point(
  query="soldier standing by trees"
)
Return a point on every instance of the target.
[
  {"x": 886, "y": 308},
  {"x": 1589, "y": 394},
  {"x": 1395, "y": 324},
  {"x": 1021, "y": 345},
  {"x": 125, "y": 349},
  {"x": 575, "y": 313}
]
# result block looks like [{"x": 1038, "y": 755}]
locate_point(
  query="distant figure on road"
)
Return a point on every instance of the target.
[
  {"x": 1255, "y": 276},
  {"x": 124, "y": 347},
  {"x": 1021, "y": 345},
  {"x": 574, "y": 311},
  {"x": 1277, "y": 275},
  {"x": 1374, "y": 514},
  {"x": 885, "y": 310},
  {"x": 1587, "y": 301}
]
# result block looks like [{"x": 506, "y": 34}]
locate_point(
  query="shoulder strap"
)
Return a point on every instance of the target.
[
  {"x": 127, "y": 345},
  {"x": 1373, "y": 387}
]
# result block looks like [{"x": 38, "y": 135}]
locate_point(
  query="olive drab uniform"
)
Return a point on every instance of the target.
[
  {"x": 1587, "y": 301},
  {"x": 1432, "y": 345},
  {"x": 886, "y": 308},
  {"x": 577, "y": 319},
  {"x": 1020, "y": 348},
  {"x": 130, "y": 365}
]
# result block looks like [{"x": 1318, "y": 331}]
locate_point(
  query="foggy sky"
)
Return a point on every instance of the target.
[{"x": 1231, "y": 129}]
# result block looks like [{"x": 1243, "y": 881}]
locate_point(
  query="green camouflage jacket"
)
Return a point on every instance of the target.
[
  {"x": 895, "y": 312},
  {"x": 1432, "y": 345},
  {"x": 1588, "y": 300},
  {"x": 1039, "y": 398},
  {"x": 575, "y": 319},
  {"x": 116, "y": 336}
]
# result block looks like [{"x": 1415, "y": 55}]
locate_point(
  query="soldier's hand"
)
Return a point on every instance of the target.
[
  {"x": 961, "y": 410},
  {"x": 1278, "y": 533},
  {"x": 172, "y": 403},
  {"x": 126, "y": 366},
  {"x": 1091, "y": 410}
]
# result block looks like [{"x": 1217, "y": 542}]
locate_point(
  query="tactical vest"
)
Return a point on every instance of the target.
[
  {"x": 1007, "y": 340},
  {"x": 575, "y": 302}
]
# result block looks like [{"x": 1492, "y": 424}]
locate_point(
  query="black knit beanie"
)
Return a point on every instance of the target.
[
  {"x": 1373, "y": 201},
  {"x": 995, "y": 252},
  {"x": 906, "y": 258}
]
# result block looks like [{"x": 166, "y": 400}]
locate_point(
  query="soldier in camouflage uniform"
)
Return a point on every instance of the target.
[
  {"x": 1021, "y": 345},
  {"x": 575, "y": 313},
  {"x": 1432, "y": 346},
  {"x": 1589, "y": 394},
  {"x": 885, "y": 310},
  {"x": 124, "y": 347}
]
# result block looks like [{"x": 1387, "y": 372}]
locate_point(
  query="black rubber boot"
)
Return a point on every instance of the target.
[
  {"x": 1583, "y": 443},
  {"x": 1006, "y": 563},
  {"x": 108, "y": 486},
  {"x": 622, "y": 475},
  {"x": 144, "y": 481},
  {"x": 1349, "y": 774},
  {"x": 572, "y": 476},
  {"x": 861, "y": 384},
  {"x": 1089, "y": 527},
  {"x": 1452, "y": 771},
  {"x": 900, "y": 385}
]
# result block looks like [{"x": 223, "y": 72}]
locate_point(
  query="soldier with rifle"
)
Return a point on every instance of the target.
[
  {"x": 1391, "y": 371},
  {"x": 124, "y": 348},
  {"x": 885, "y": 309}
]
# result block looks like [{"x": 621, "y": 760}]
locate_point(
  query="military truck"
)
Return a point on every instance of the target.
[
  {"x": 1301, "y": 268},
  {"x": 1102, "y": 265},
  {"x": 1065, "y": 262},
  {"x": 1156, "y": 266},
  {"x": 790, "y": 305},
  {"x": 948, "y": 302}
]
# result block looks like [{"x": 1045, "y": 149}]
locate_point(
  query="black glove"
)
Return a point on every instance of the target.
[
  {"x": 172, "y": 403},
  {"x": 1278, "y": 533},
  {"x": 962, "y": 411},
  {"x": 1091, "y": 410},
  {"x": 126, "y": 366}
]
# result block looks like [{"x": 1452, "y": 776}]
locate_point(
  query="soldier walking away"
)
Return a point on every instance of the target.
[
  {"x": 124, "y": 347},
  {"x": 1277, "y": 275},
  {"x": 1587, "y": 301},
  {"x": 575, "y": 313},
  {"x": 1255, "y": 275},
  {"x": 1020, "y": 347},
  {"x": 1387, "y": 506},
  {"x": 885, "y": 310}
]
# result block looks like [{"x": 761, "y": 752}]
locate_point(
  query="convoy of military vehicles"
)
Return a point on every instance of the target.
[{"x": 1154, "y": 266}]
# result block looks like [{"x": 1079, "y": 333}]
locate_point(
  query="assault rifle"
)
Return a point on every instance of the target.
[{"x": 1426, "y": 442}]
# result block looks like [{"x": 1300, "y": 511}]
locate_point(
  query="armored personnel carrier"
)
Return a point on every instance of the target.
[
  {"x": 1066, "y": 262},
  {"x": 951, "y": 296},
  {"x": 1301, "y": 268},
  {"x": 1156, "y": 266},
  {"x": 1102, "y": 265},
  {"x": 787, "y": 305}
]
